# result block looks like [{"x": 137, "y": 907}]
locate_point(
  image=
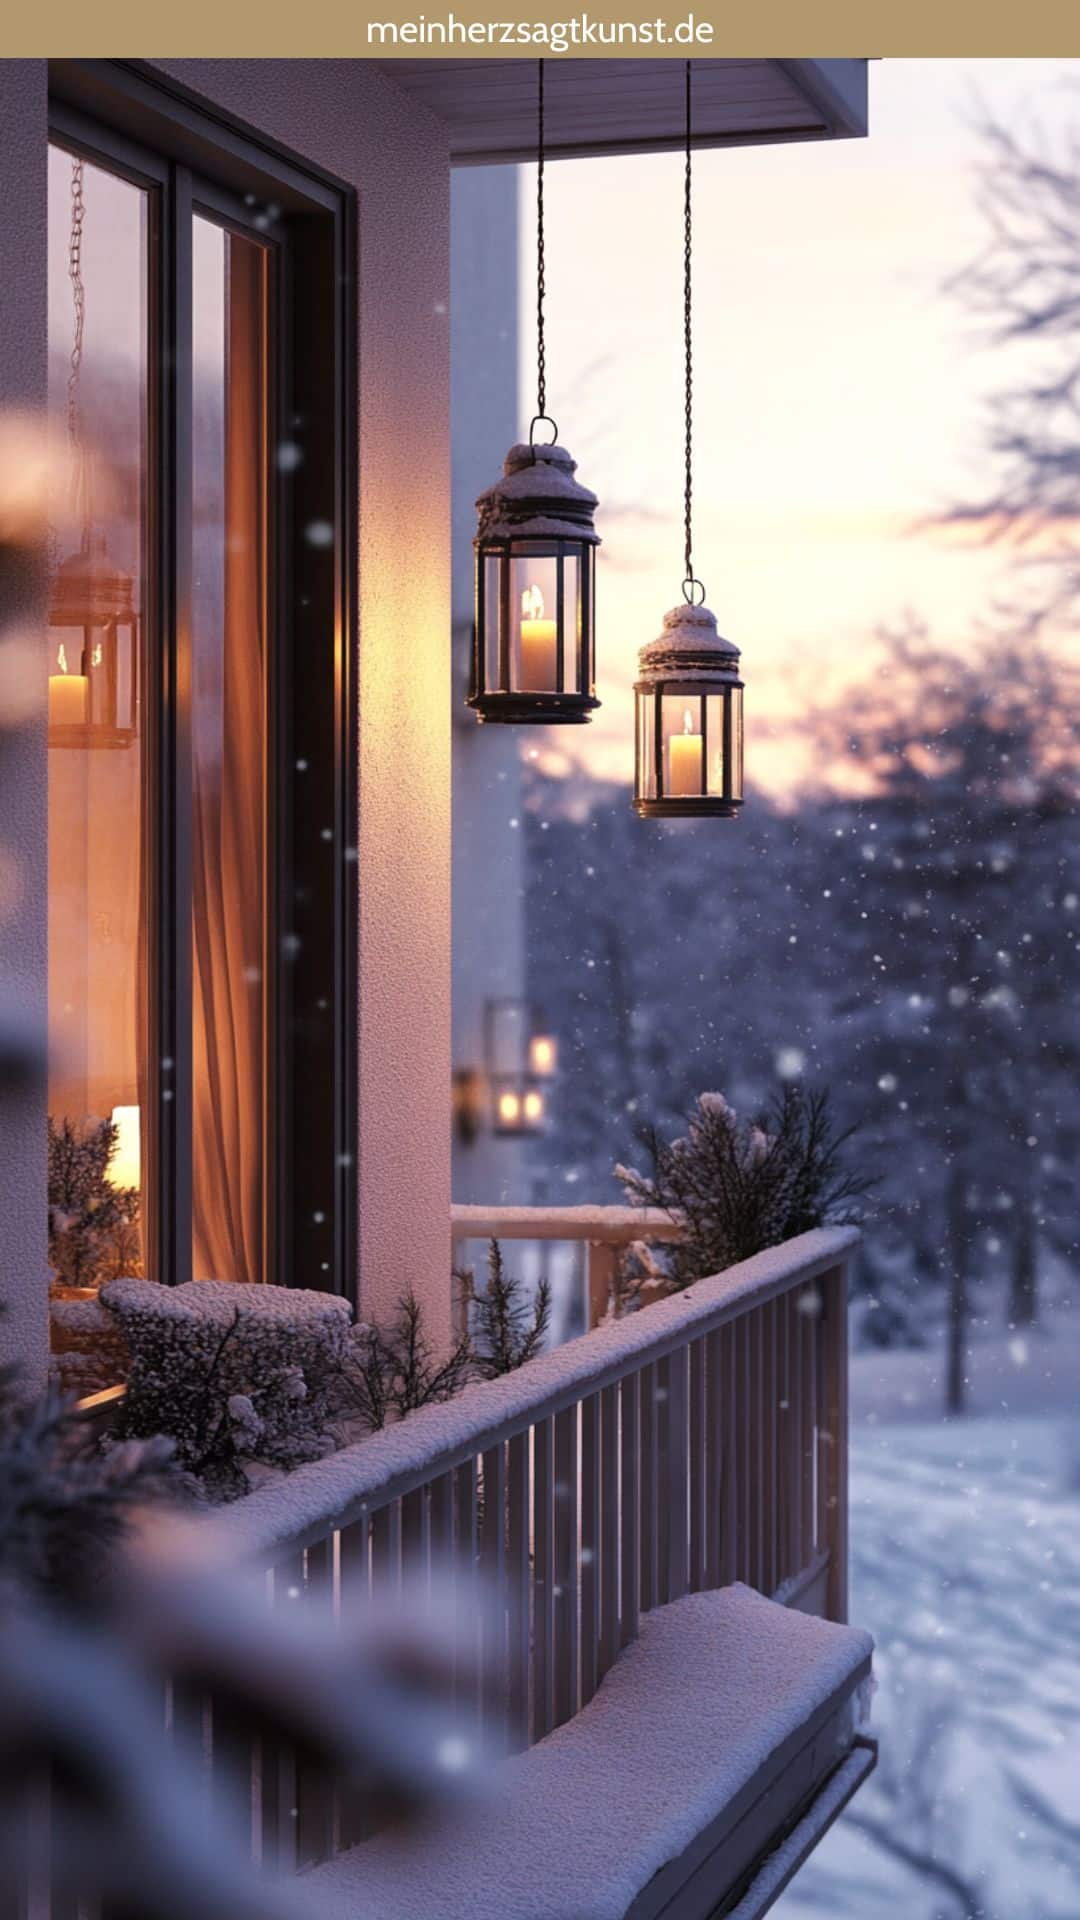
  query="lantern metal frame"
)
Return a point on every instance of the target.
[
  {"x": 693, "y": 663},
  {"x": 536, "y": 511}
]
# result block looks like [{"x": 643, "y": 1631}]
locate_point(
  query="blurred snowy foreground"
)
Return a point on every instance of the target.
[{"x": 965, "y": 1541}]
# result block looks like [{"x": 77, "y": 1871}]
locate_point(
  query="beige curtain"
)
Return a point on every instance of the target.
[{"x": 229, "y": 820}]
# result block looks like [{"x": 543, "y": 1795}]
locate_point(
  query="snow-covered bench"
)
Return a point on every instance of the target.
[{"x": 707, "y": 1765}]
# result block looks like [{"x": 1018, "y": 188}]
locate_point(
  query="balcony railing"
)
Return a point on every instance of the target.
[{"x": 698, "y": 1442}]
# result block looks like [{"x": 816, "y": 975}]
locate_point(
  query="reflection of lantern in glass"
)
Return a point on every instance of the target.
[
  {"x": 93, "y": 689},
  {"x": 689, "y": 758},
  {"x": 533, "y": 652}
]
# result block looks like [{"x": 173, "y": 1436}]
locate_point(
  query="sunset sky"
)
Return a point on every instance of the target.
[{"x": 839, "y": 387}]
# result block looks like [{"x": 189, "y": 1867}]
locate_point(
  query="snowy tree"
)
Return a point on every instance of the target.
[
  {"x": 1024, "y": 287},
  {"x": 954, "y": 952}
]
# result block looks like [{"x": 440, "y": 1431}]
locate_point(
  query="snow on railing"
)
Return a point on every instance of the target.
[{"x": 699, "y": 1441}]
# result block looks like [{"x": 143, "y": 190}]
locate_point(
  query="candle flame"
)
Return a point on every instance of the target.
[
  {"x": 61, "y": 657},
  {"x": 687, "y": 724},
  {"x": 532, "y": 604}
]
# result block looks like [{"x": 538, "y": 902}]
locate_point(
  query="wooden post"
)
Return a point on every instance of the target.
[{"x": 602, "y": 1260}]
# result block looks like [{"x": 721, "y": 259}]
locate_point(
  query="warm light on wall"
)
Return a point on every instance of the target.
[{"x": 125, "y": 1162}]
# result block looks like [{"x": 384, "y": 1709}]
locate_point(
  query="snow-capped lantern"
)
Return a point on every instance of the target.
[
  {"x": 689, "y": 721},
  {"x": 534, "y": 656}
]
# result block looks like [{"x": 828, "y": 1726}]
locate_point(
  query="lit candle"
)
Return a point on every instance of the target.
[
  {"x": 69, "y": 696},
  {"x": 125, "y": 1161},
  {"x": 539, "y": 645},
  {"x": 684, "y": 760}
]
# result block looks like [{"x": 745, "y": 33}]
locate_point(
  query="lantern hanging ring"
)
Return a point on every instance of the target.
[
  {"x": 691, "y": 587},
  {"x": 537, "y": 420}
]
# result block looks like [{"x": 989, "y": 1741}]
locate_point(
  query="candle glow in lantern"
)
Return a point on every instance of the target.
[
  {"x": 689, "y": 731},
  {"x": 533, "y": 648}
]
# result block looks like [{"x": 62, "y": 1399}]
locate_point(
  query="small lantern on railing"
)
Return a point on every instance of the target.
[
  {"x": 519, "y": 1055},
  {"x": 534, "y": 653},
  {"x": 94, "y": 684},
  {"x": 689, "y": 746}
]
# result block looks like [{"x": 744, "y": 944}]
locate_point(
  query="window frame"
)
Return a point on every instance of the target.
[{"x": 194, "y": 161}]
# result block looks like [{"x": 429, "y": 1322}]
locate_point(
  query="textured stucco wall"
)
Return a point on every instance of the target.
[
  {"x": 23, "y": 1248},
  {"x": 489, "y": 899},
  {"x": 353, "y": 121},
  {"x": 357, "y": 124}
]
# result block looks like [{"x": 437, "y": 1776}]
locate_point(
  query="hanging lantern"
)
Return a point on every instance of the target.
[
  {"x": 689, "y": 752},
  {"x": 93, "y": 687},
  {"x": 688, "y": 744},
  {"x": 516, "y": 1067},
  {"x": 534, "y": 654}
]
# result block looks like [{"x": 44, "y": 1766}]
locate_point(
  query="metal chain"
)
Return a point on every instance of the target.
[
  {"x": 541, "y": 361},
  {"x": 79, "y": 487},
  {"x": 78, "y": 294},
  {"x": 688, "y": 339}
]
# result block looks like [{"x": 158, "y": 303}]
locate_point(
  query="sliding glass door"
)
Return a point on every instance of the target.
[{"x": 200, "y": 923}]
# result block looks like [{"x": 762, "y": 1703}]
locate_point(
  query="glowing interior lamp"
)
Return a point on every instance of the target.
[
  {"x": 125, "y": 1162},
  {"x": 532, "y": 1107},
  {"x": 509, "y": 1108},
  {"x": 543, "y": 1054}
]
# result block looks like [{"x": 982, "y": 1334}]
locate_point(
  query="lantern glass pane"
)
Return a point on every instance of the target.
[
  {"x": 492, "y": 621},
  {"x": 571, "y": 678},
  {"x": 99, "y": 878},
  {"x": 534, "y": 611},
  {"x": 646, "y": 719},
  {"x": 682, "y": 744},
  {"x": 715, "y": 744},
  {"x": 736, "y": 743}
]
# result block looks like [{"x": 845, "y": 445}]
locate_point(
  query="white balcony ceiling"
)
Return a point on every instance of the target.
[{"x": 632, "y": 106}]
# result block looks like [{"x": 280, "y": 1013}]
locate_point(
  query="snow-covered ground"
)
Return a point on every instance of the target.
[{"x": 966, "y": 1567}]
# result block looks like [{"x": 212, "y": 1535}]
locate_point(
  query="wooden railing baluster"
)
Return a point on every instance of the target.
[
  {"x": 543, "y": 1578},
  {"x": 630, "y": 1502},
  {"x": 592, "y": 1543}
]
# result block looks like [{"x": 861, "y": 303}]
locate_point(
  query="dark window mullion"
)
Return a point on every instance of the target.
[{"x": 173, "y": 769}]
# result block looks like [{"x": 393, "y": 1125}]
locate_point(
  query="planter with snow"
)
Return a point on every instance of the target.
[{"x": 237, "y": 1376}]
